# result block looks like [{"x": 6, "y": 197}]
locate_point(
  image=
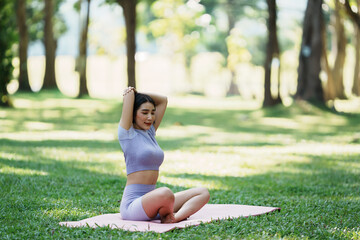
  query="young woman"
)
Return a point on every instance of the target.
[{"x": 141, "y": 116}]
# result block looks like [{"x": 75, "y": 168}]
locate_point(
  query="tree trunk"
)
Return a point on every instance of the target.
[
  {"x": 329, "y": 92},
  {"x": 50, "y": 46},
  {"x": 309, "y": 84},
  {"x": 129, "y": 9},
  {"x": 272, "y": 52},
  {"x": 23, "y": 45},
  {"x": 81, "y": 61},
  {"x": 356, "y": 81},
  {"x": 338, "y": 69},
  {"x": 233, "y": 88}
]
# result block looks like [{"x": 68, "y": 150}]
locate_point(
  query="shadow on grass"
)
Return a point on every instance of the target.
[
  {"x": 314, "y": 195},
  {"x": 323, "y": 176},
  {"x": 92, "y": 115},
  {"x": 247, "y": 121},
  {"x": 315, "y": 198}
]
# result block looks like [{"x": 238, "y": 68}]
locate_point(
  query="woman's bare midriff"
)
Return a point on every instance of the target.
[{"x": 148, "y": 177}]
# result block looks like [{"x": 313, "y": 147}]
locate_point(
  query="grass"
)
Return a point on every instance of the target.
[{"x": 60, "y": 161}]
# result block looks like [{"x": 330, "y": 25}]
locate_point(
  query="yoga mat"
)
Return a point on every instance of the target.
[{"x": 208, "y": 213}]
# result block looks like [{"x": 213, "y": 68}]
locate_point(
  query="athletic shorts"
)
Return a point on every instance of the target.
[{"x": 131, "y": 207}]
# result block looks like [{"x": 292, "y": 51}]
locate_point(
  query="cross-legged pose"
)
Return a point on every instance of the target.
[{"x": 141, "y": 117}]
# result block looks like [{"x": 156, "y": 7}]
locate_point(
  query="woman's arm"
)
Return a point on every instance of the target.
[
  {"x": 127, "y": 108},
  {"x": 161, "y": 104}
]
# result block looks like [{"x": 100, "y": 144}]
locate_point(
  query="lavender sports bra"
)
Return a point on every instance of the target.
[{"x": 141, "y": 150}]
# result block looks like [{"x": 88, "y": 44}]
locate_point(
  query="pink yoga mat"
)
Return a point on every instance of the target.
[{"x": 208, "y": 213}]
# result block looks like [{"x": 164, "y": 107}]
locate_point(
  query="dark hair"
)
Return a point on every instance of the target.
[{"x": 141, "y": 98}]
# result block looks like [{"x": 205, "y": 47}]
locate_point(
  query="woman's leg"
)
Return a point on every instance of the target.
[
  {"x": 189, "y": 202},
  {"x": 160, "y": 200},
  {"x": 174, "y": 207}
]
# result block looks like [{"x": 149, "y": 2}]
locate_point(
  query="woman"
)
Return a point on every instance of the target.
[{"x": 141, "y": 117}]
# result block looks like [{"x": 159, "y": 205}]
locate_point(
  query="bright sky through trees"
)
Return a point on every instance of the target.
[{"x": 105, "y": 20}]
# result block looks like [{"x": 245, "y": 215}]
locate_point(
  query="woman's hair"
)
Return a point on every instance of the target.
[{"x": 141, "y": 98}]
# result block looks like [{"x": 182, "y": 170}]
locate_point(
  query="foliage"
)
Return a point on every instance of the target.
[
  {"x": 177, "y": 25},
  {"x": 7, "y": 39},
  {"x": 60, "y": 161},
  {"x": 234, "y": 44},
  {"x": 237, "y": 47},
  {"x": 35, "y": 20}
]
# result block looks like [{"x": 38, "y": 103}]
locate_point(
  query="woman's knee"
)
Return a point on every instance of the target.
[
  {"x": 161, "y": 201},
  {"x": 165, "y": 194},
  {"x": 205, "y": 193}
]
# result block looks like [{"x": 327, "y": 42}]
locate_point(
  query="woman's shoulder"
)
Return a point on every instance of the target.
[{"x": 124, "y": 134}]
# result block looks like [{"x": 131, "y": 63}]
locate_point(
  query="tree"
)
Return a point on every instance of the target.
[
  {"x": 355, "y": 17},
  {"x": 81, "y": 60},
  {"x": 272, "y": 56},
  {"x": 335, "y": 80},
  {"x": 130, "y": 16},
  {"x": 181, "y": 24},
  {"x": 340, "y": 39},
  {"x": 23, "y": 45},
  {"x": 129, "y": 11},
  {"x": 329, "y": 92},
  {"x": 356, "y": 78},
  {"x": 233, "y": 89},
  {"x": 309, "y": 84},
  {"x": 50, "y": 46},
  {"x": 235, "y": 10},
  {"x": 7, "y": 38}
]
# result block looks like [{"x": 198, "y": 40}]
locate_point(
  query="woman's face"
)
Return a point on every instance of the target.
[{"x": 145, "y": 116}]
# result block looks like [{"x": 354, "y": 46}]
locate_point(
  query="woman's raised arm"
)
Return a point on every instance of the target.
[
  {"x": 160, "y": 104},
  {"x": 127, "y": 108}
]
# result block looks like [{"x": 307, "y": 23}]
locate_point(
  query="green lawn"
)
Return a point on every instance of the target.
[{"x": 60, "y": 161}]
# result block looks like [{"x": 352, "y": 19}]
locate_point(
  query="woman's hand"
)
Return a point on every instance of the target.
[{"x": 128, "y": 90}]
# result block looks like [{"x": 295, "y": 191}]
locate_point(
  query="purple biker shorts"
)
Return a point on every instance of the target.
[{"x": 131, "y": 207}]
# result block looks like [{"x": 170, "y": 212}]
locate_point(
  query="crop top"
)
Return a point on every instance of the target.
[{"x": 141, "y": 150}]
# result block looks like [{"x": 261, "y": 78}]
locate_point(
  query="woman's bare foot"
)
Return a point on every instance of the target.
[{"x": 170, "y": 218}]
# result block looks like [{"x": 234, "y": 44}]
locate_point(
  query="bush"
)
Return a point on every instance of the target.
[{"x": 7, "y": 39}]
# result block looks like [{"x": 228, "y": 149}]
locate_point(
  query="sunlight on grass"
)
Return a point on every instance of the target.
[
  {"x": 318, "y": 120},
  {"x": 21, "y": 171},
  {"x": 234, "y": 163},
  {"x": 239, "y": 138},
  {"x": 2, "y": 114},
  {"x": 38, "y": 126},
  {"x": 301, "y": 148},
  {"x": 303, "y": 122},
  {"x": 13, "y": 156},
  {"x": 351, "y": 105},
  {"x": 189, "y": 183},
  {"x": 51, "y": 103},
  {"x": 6, "y": 124},
  {"x": 59, "y": 135},
  {"x": 280, "y": 122},
  {"x": 62, "y": 211},
  {"x": 60, "y": 160},
  {"x": 346, "y": 233},
  {"x": 184, "y": 131}
]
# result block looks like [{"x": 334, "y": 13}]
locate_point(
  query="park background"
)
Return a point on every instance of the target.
[
  {"x": 228, "y": 127},
  {"x": 160, "y": 63}
]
